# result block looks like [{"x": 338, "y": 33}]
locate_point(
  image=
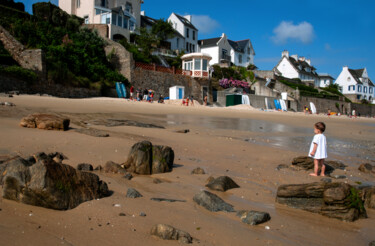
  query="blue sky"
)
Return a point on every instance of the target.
[{"x": 332, "y": 33}]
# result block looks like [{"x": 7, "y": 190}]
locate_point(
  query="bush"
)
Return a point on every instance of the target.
[
  {"x": 20, "y": 73},
  {"x": 301, "y": 87}
]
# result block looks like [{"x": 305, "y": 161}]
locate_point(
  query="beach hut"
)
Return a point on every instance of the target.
[
  {"x": 196, "y": 65},
  {"x": 176, "y": 92}
]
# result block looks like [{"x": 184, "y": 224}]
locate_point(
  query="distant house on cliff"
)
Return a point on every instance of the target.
[
  {"x": 187, "y": 40},
  {"x": 297, "y": 67},
  {"x": 223, "y": 50},
  {"x": 325, "y": 80},
  {"x": 122, "y": 17},
  {"x": 355, "y": 84}
]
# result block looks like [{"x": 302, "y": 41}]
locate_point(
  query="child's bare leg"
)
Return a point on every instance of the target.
[
  {"x": 322, "y": 173},
  {"x": 316, "y": 166}
]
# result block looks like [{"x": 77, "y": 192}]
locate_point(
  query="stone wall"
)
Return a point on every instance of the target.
[
  {"x": 161, "y": 82},
  {"x": 323, "y": 105},
  {"x": 27, "y": 58},
  {"x": 363, "y": 109},
  {"x": 102, "y": 29},
  {"x": 8, "y": 84}
]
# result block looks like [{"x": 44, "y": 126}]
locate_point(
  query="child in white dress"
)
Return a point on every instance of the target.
[{"x": 318, "y": 149}]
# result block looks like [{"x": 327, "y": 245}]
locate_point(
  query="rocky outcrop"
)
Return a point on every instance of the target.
[
  {"x": 198, "y": 170},
  {"x": 168, "y": 232},
  {"x": 212, "y": 202},
  {"x": 46, "y": 122},
  {"x": 112, "y": 167},
  {"x": 307, "y": 163},
  {"x": 335, "y": 200},
  {"x": 222, "y": 183},
  {"x": 146, "y": 159},
  {"x": 133, "y": 193},
  {"x": 40, "y": 181},
  {"x": 368, "y": 194},
  {"x": 85, "y": 167},
  {"x": 253, "y": 217}
]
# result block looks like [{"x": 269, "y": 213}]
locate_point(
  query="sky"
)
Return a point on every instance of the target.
[{"x": 332, "y": 33}]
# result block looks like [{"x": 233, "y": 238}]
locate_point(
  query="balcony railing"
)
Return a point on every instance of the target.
[{"x": 225, "y": 57}]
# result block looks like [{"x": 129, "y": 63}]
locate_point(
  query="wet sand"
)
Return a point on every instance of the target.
[{"x": 244, "y": 144}]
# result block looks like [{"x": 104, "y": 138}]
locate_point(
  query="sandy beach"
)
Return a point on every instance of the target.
[{"x": 243, "y": 143}]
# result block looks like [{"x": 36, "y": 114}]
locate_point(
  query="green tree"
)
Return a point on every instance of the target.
[{"x": 162, "y": 30}]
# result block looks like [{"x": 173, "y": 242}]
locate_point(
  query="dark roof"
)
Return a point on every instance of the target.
[
  {"x": 186, "y": 22},
  {"x": 370, "y": 82},
  {"x": 208, "y": 42},
  {"x": 147, "y": 21},
  {"x": 117, "y": 9},
  {"x": 235, "y": 45},
  {"x": 242, "y": 43},
  {"x": 301, "y": 67},
  {"x": 356, "y": 73},
  {"x": 326, "y": 76}
]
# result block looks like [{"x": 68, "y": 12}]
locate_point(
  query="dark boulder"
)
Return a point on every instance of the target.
[
  {"x": 369, "y": 194},
  {"x": 307, "y": 163},
  {"x": 366, "y": 168},
  {"x": 168, "y": 232},
  {"x": 212, "y": 202},
  {"x": 146, "y": 159},
  {"x": 253, "y": 217},
  {"x": 222, "y": 183},
  {"x": 133, "y": 193},
  {"x": 46, "y": 122},
  {"x": 335, "y": 200},
  {"x": 49, "y": 184},
  {"x": 166, "y": 200},
  {"x": 85, "y": 167}
]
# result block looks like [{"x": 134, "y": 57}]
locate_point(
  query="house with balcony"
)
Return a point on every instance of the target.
[
  {"x": 356, "y": 85},
  {"x": 186, "y": 38},
  {"x": 121, "y": 17},
  {"x": 225, "y": 51},
  {"x": 196, "y": 65},
  {"x": 295, "y": 67}
]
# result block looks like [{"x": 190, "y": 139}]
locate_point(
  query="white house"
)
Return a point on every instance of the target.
[
  {"x": 297, "y": 67},
  {"x": 325, "y": 80},
  {"x": 188, "y": 38},
  {"x": 355, "y": 84},
  {"x": 223, "y": 50},
  {"x": 196, "y": 65},
  {"x": 121, "y": 16}
]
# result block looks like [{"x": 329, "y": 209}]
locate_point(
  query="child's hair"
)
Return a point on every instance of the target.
[{"x": 320, "y": 126}]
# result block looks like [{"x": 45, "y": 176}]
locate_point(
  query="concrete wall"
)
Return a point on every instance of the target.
[
  {"x": 323, "y": 105},
  {"x": 161, "y": 82},
  {"x": 32, "y": 59},
  {"x": 8, "y": 84}
]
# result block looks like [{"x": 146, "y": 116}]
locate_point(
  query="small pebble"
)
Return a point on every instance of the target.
[
  {"x": 117, "y": 205},
  {"x": 267, "y": 227},
  {"x": 99, "y": 225},
  {"x": 142, "y": 214}
]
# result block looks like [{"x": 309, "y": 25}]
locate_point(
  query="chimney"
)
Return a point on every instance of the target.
[
  {"x": 188, "y": 17},
  {"x": 308, "y": 61},
  {"x": 295, "y": 57},
  {"x": 143, "y": 13},
  {"x": 285, "y": 53},
  {"x": 345, "y": 68},
  {"x": 302, "y": 58}
]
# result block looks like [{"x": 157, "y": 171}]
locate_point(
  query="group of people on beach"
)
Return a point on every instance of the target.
[{"x": 144, "y": 95}]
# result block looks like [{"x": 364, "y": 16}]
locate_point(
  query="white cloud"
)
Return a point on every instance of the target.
[
  {"x": 205, "y": 24},
  {"x": 286, "y": 30}
]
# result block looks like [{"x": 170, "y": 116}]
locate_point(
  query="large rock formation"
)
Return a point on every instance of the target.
[
  {"x": 307, "y": 163},
  {"x": 144, "y": 158},
  {"x": 46, "y": 122},
  {"x": 253, "y": 217},
  {"x": 335, "y": 200},
  {"x": 40, "y": 181}
]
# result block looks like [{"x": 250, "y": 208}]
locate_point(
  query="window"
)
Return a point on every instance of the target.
[
  {"x": 197, "y": 64},
  {"x": 204, "y": 67},
  {"x": 349, "y": 87},
  {"x": 178, "y": 43},
  {"x": 86, "y": 18},
  {"x": 98, "y": 12},
  {"x": 106, "y": 19},
  {"x": 125, "y": 24},
  {"x": 129, "y": 7},
  {"x": 353, "y": 87},
  {"x": 188, "y": 64},
  {"x": 248, "y": 50},
  {"x": 358, "y": 97},
  {"x": 131, "y": 25},
  {"x": 102, "y": 3},
  {"x": 78, "y": 3},
  {"x": 187, "y": 47},
  {"x": 365, "y": 89},
  {"x": 359, "y": 88},
  {"x": 119, "y": 21},
  {"x": 193, "y": 35},
  {"x": 114, "y": 19},
  {"x": 193, "y": 48},
  {"x": 370, "y": 90},
  {"x": 187, "y": 32},
  {"x": 240, "y": 58}
]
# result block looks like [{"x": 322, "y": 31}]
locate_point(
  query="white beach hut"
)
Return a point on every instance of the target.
[{"x": 176, "y": 92}]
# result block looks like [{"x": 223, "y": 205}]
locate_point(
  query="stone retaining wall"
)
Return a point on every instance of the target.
[
  {"x": 27, "y": 58},
  {"x": 161, "y": 82},
  {"x": 8, "y": 84}
]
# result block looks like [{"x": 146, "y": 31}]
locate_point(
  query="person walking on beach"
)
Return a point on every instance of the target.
[
  {"x": 318, "y": 149},
  {"x": 191, "y": 98}
]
